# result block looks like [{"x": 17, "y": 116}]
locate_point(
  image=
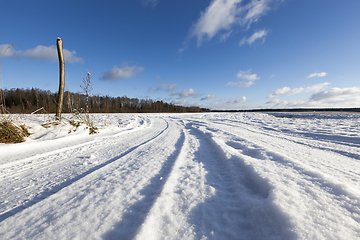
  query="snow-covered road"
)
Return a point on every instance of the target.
[{"x": 185, "y": 176}]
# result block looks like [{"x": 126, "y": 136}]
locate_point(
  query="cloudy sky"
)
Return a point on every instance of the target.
[{"x": 219, "y": 54}]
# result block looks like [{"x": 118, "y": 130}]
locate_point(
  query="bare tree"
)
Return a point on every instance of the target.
[{"x": 59, "y": 44}]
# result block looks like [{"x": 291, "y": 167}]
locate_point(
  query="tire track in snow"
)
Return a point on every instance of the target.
[
  {"x": 43, "y": 195},
  {"x": 101, "y": 199},
  {"x": 262, "y": 140},
  {"x": 241, "y": 203},
  {"x": 351, "y": 142},
  {"x": 132, "y": 220},
  {"x": 309, "y": 183},
  {"x": 167, "y": 217},
  {"x": 255, "y": 149},
  {"x": 337, "y": 195},
  {"x": 211, "y": 195},
  {"x": 25, "y": 183}
]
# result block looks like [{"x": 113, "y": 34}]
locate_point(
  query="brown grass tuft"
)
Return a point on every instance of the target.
[{"x": 11, "y": 133}]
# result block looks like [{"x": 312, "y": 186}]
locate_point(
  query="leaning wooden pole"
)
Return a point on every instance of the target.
[{"x": 59, "y": 44}]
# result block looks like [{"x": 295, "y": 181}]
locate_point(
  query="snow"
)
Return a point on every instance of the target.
[{"x": 184, "y": 176}]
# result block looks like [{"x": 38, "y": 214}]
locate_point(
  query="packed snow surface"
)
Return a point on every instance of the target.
[{"x": 184, "y": 176}]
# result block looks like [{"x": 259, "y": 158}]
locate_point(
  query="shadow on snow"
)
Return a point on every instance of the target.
[
  {"x": 241, "y": 207},
  {"x": 136, "y": 214},
  {"x": 67, "y": 183}
]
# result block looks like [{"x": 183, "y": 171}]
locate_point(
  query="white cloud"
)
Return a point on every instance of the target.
[
  {"x": 220, "y": 14},
  {"x": 316, "y": 87},
  {"x": 274, "y": 101},
  {"x": 288, "y": 91},
  {"x": 208, "y": 97},
  {"x": 171, "y": 87},
  {"x": 335, "y": 93},
  {"x": 279, "y": 92},
  {"x": 160, "y": 87},
  {"x": 243, "y": 84},
  {"x": 255, "y": 9},
  {"x": 349, "y": 102},
  {"x": 334, "y": 98},
  {"x": 236, "y": 101},
  {"x": 120, "y": 73},
  {"x": 188, "y": 93},
  {"x": 260, "y": 34},
  {"x": 233, "y": 103},
  {"x": 316, "y": 74},
  {"x": 247, "y": 76},
  {"x": 225, "y": 14},
  {"x": 225, "y": 36},
  {"x": 272, "y": 76},
  {"x": 41, "y": 53},
  {"x": 164, "y": 86},
  {"x": 183, "y": 94},
  {"x": 302, "y": 103}
]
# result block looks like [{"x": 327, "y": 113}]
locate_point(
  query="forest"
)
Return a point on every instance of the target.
[{"x": 21, "y": 100}]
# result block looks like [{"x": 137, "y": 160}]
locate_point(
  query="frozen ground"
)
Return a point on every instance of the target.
[{"x": 185, "y": 176}]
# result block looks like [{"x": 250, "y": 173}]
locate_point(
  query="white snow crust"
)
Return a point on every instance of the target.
[{"x": 184, "y": 176}]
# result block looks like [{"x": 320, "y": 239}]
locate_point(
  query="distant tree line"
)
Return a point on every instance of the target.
[
  {"x": 29, "y": 100},
  {"x": 286, "y": 110}
]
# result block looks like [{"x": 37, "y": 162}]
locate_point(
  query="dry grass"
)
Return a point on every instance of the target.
[
  {"x": 10, "y": 130},
  {"x": 11, "y": 133}
]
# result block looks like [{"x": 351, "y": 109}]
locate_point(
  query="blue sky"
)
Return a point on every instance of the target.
[{"x": 219, "y": 54}]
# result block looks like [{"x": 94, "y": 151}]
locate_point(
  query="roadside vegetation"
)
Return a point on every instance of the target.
[{"x": 11, "y": 131}]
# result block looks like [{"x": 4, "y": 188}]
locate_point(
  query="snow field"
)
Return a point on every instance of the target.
[
  {"x": 319, "y": 189},
  {"x": 185, "y": 176}
]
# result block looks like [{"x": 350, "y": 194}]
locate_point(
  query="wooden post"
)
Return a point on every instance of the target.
[{"x": 59, "y": 44}]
